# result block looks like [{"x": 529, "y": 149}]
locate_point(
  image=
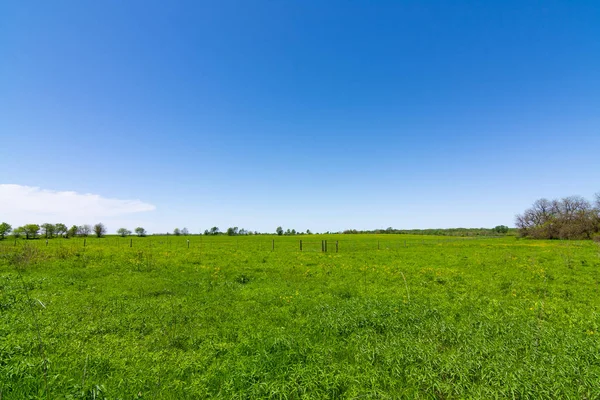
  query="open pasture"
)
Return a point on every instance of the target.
[{"x": 389, "y": 316}]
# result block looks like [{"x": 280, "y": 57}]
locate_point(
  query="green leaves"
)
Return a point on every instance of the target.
[{"x": 5, "y": 229}]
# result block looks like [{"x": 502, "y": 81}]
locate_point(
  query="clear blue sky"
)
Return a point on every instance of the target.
[{"x": 306, "y": 114}]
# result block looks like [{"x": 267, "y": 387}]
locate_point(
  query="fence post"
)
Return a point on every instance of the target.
[
  {"x": 336, "y": 246},
  {"x": 322, "y": 246},
  {"x": 188, "y": 241},
  {"x": 273, "y": 245},
  {"x": 326, "y": 246},
  {"x": 300, "y": 244},
  {"x": 130, "y": 242}
]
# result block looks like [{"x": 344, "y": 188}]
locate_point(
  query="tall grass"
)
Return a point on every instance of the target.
[{"x": 231, "y": 318}]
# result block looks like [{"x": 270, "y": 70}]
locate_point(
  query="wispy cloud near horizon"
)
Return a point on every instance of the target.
[{"x": 28, "y": 204}]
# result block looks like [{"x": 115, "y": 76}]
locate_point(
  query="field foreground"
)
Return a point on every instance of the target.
[{"x": 245, "y": 317}]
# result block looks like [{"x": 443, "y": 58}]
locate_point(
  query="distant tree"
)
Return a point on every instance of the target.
[
  {"x": 141, "y": 232},
  {"x": 206, "y": 232},
  {"x": 99, "y": 230},
  {"x": 308, "y": 232},
  {"x": 72, "y": 232},
  {"x": 123, "y": 232},
  {"x": 185, "y": 232},
  {"x": 60, "y": 229},
  {"x": 501, "y": 229},
  {"x": 579, "y": 219},
  {"x": 232, "y": 231},
  {"x": 48, "y": 230},
  {"x": 293, "y": 231},
  {"x": 176, "y": 232},
  {"x": 243, "y": 232},
  {"x": 214, "y": 230},
  {"x": 84, "y": 230},
  {"x": 568, "y": 218},
  {"x": 279, "y": 230},
  {"x": 18, "y": 232},
  {"x": 5, "y": 229},
  {"x": 31, "y": 231}
]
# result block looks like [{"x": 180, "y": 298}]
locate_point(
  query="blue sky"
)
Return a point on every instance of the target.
[{"x": 305, "y": 114}]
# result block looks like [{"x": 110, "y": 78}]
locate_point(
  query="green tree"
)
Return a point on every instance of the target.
[
  {"x": 48, "y": 230},
  {"x": 99, "y": 230},
  {"x": 31, "y": 231},
  {"x": 84, "y": 230},
  {"x": 5, "y": 229},
  {"x": 176, "y": 232},
  {"x": 501, "y": 229},
  {"x": 232, "y": 231},
  {"x": 185, "y": 232},
  {"x": 18, "y": 232},
  {"x": 72, "y": 232},
  {"x": 123, "y": 232},
  {"x": 279, "y": 230},
  {"x": 214, "y": 230},
  {"x": 141, "y": 232},
  {"x": 60, "y": 229}
]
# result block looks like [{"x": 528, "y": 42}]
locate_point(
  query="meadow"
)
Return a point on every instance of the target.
[{"x": 246, "y": 317}]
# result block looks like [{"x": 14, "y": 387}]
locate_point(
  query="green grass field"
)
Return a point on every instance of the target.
[{"x": 390, "y": 316}]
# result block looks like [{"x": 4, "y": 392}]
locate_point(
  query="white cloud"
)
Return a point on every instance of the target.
[{"x": 26, "y": 204}]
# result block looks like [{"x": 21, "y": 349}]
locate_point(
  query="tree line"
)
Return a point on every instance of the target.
[
  {"x": 571, "y": 217},
  {"x": 34, "y": 231},
  {"x": 141, "y": 232},
  {"x": 495, "y": 231},
  {"x": 235, "y": 231},
  {"x": 49, "y": 231}
]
